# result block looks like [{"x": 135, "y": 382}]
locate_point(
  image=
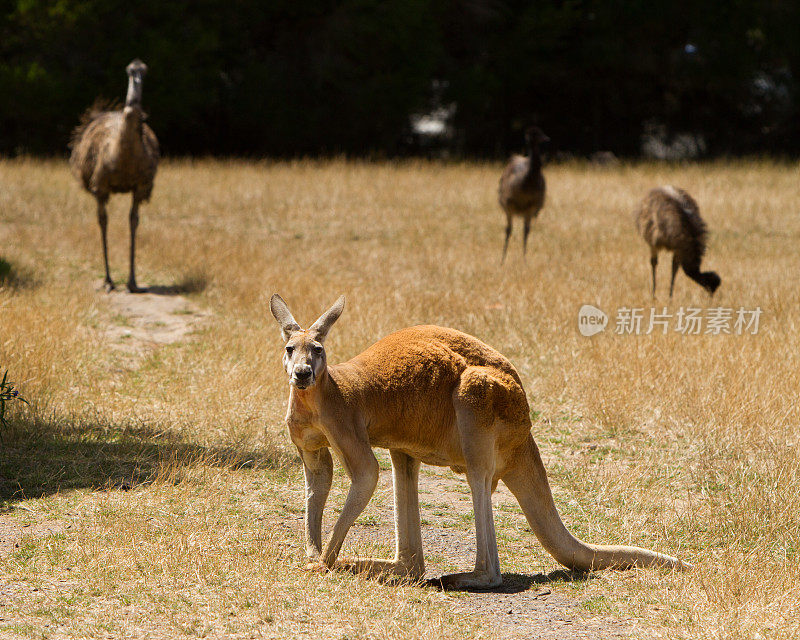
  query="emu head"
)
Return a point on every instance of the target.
[
  {"x": 710, "y": 281},
  {"x": 304, "y": 354},
  {"x": 534, "y": 136},
  {"x": 136, "y": 71}
]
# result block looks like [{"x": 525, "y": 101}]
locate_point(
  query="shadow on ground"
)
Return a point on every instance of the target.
[
  {"x": 14, "y": 277},
  {"x": 190, "y": 284},
  {"x": 512, "y": 582},
  {"x": 41, "y": 457},
  {"x": 518, "y": 582}
]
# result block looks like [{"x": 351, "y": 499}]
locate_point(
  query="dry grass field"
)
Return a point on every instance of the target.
[{"x": 150, "y": 489}]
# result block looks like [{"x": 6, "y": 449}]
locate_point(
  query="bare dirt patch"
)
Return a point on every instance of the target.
[
  {"x": 144, "y": 321},
  {"x": 13, "y": 532}
]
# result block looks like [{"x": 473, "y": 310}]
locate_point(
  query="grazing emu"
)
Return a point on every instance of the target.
[
  {"x": 669, "y": 219},
  {"x": 521, "y": 191},
  {"x": 116, "y": 152}
]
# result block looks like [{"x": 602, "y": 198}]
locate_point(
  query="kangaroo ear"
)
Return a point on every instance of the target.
[
  {"x": 323, "y": 324},
  {"x": 283, "y": 316}
]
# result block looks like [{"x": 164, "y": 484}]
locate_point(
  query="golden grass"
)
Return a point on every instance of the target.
[{"x": 688, "y": 444}]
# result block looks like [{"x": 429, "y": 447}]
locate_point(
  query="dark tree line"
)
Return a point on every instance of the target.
[{"x": 290, "y": 78}]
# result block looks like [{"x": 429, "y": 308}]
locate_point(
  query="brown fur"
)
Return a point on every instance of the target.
[
  {"x": 669, "y": 219},
  {"x": 522, "y": 187},
  {"x": 114, "y": 151},
  {"x": 433, "y": 395}
]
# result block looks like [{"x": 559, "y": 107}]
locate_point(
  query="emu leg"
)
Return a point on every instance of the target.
[
  {"x": 527, "y": 230},
  {"x": 675, "y": 265},
  {"x": 653, "y": 264},
  {"x": 102, "y": 219},
  {"x": 134, "y": 222},
  {"x": 508, "y": 235}
]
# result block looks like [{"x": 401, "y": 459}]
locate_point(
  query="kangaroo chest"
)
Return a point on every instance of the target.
[{"x": 305, "y": 431}]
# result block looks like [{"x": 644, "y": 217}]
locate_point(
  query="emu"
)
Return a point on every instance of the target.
[
  {"x": 522, "y": 186},
  {"x": 114, "y": 151},
  {"x": 669, "y": 219}
]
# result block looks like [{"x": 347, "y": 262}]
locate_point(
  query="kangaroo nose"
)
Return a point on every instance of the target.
[{"x": 302, "y": 371}]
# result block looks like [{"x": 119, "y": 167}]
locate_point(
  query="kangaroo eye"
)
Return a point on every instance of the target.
[
  {"x": 317, "y": 349},
  {"x": 289, "y": 350}
]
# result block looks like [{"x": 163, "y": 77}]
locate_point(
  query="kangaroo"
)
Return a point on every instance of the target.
[{"x": 433, "y": 395}]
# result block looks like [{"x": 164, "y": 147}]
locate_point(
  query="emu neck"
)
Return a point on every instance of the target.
[
  {"x": 134, "y": 95},
  {"x": 690, "y": 260},
  {"x": 696, "y": 275},
  {"x": 535, "y": 160}
]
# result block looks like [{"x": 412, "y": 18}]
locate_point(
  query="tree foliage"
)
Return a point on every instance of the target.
[{"x": 288, "y": 78}]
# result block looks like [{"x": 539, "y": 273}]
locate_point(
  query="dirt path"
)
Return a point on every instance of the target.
[
  {"x": 144, "y": 321},
  {"x": 12, "y": 533}
]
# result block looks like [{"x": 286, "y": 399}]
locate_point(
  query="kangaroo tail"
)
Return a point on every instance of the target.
[{"x": 527, "y": 480}]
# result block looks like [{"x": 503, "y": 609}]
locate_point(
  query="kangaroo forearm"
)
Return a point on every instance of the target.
[
  {"x": 318, "y": 471},
  {"x": 361, "y": 490},
  {"x": 313, "y": 525}
]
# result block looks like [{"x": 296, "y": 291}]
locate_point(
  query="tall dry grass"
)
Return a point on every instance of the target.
[{"x": 685, "y": 443}]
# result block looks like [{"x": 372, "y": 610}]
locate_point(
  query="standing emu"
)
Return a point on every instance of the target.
[
  {"x": 521, "y": 191},
  {"x": 116, "y": 152},
  {"x": 669, "y": 219}
]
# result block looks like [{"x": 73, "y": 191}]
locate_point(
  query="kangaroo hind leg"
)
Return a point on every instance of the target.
[{"x": 475, "y": 420}]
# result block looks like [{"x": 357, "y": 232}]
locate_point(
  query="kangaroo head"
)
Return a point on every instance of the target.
[{"x": 304, "y": 356}]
